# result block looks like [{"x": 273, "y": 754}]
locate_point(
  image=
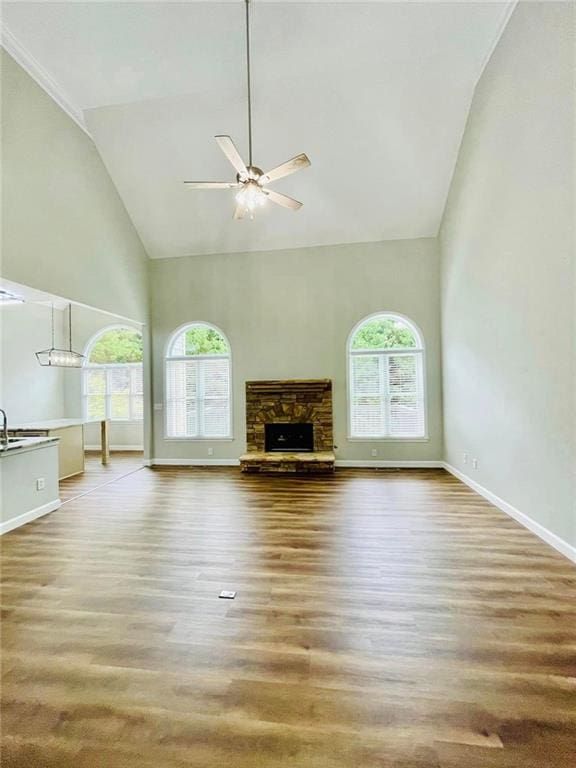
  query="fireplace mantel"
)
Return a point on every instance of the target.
[{"x": 278, "y": 386}]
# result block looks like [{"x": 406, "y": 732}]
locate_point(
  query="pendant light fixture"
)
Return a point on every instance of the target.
[{"x": 61, "y": 358}]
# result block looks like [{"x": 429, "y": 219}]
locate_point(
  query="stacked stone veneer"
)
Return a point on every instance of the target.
[{"x": 300, "y": 401}]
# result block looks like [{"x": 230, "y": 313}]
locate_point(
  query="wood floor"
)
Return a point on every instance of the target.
[
  {"x": 96, "y": 473},
  {"x": 383, "y": 620}
]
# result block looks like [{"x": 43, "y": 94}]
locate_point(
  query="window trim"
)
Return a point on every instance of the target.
[
  {"x": 166, "y": 356},
  {"x": 421, "y": 349},
  {"x": 105, "y": 366}
]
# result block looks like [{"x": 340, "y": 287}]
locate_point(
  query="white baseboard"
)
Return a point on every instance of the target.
[
  {"x": 193, "y": 462},
  {"x": 27, "y": 517},
  {"x": 543, "y": 533},
  {"x": 98, "y": 448},
  {"x": 389, "y": 463}
]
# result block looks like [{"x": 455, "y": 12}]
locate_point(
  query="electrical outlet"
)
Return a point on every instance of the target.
[
  {"x": 465, "y": 458},
  {"x": 475, "y": 463},
  {"x": 40, "y": 484},
  {"x": 374, "y": 451},
  {"x": 210, "y": 451}
]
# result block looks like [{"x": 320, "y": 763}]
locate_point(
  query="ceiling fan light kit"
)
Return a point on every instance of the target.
[{"x": 251, "y": 182}]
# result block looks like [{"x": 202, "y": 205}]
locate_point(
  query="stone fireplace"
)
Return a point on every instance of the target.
[{"x": 289, "y": 426}]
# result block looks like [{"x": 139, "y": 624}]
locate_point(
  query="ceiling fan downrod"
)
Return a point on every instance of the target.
[
  {"x": 251, "y": 182},
  {"x": 248, "y": 81}
]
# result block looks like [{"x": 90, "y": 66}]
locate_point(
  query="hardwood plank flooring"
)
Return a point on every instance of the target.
[
  {"x": 384, "y": 619},
  {"x": 96, "y": 474}
]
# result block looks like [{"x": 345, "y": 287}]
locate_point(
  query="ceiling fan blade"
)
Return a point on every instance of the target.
[
  {"x": 211, "y": 184},
  {"x": 290, "y": 166},
  {"x": 229, "y": 148},
  {"x": 283, "y": 200},
  {"x": 239, "y": 211}
]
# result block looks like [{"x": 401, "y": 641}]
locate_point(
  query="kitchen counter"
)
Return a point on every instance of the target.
[
  {"x": 70, "y": 433},
  {"x": 46, "y": 425},
  {"x": 24, "y": 444}
]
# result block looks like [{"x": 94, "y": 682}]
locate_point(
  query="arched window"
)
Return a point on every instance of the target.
[
  {"x": 198, "y": 383},
  {"x": 113, "y": 376},
  {"x": 386, "y": 379}
]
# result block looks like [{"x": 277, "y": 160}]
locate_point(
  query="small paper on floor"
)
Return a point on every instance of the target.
[{"x": 225, "y": 595}]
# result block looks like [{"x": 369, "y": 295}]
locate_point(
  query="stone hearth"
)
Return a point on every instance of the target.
[{"x": 289, "y": 402}]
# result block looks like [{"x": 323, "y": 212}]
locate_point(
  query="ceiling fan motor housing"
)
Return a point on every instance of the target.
[{"x": 254, "y": 174}]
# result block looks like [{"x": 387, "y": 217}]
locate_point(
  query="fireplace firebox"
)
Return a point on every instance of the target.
[{"x": 295, "y": 438}]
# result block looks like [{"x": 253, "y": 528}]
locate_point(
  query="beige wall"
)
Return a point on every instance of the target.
[
  {"x": 28, "y": 391},
  {"x": 64, "y": 229},
  {"x": 509, "y": 275},
  {"x": 288, "y": 314}
]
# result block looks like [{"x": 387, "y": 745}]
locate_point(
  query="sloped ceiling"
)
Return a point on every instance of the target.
[{"x": 376, "y": 94}]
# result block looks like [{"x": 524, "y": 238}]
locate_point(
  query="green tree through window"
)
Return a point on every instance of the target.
[
  {"x": 201, "y": 340},
  {"x": 383, "y": 333},
  {"x": 118, "y": 345}
]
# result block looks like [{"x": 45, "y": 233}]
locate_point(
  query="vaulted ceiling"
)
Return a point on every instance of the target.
[{"x": 377, "y": 95}]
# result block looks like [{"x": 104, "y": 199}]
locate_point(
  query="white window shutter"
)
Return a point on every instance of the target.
[
  {"x": 137, "y": 393},
  {"x": 95, "y": 393},
  {"x": 114, "y": 392},
  {"x": 406, "y": 404},
  {"x": 216, "y": 397},
  {"x": 96, "y": 382},
  {"x": 367, "y": 406},
  {"x": 182, "y": 398},
  {"x": 119, "y": 389},
  {"x": 386, "y": 393}
]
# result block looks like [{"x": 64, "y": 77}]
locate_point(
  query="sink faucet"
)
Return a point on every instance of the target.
[{"x": 4, "y": 438}]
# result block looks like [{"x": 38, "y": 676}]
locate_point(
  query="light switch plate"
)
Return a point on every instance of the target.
[{"x": 225, "y": 595}]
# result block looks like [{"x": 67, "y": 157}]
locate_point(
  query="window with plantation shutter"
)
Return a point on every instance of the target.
[
  {"x": 198, "y": 389},
  {"x": 113, "y": 376},
  {"x": 386, "y": 380}
]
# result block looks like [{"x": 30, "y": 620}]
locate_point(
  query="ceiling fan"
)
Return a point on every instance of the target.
[{"x": 251, "y": 181}]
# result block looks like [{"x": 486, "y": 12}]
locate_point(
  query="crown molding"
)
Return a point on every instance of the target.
[{"x": 32, "y": 66}]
